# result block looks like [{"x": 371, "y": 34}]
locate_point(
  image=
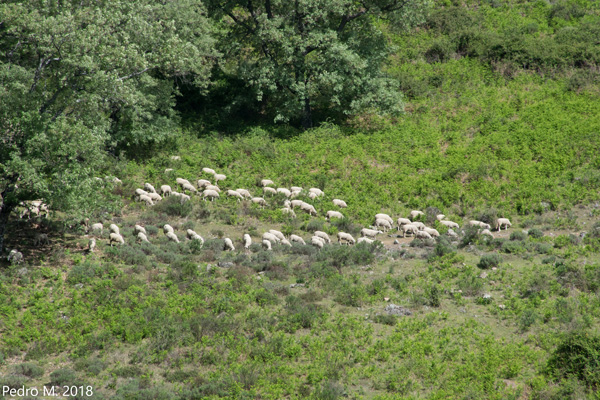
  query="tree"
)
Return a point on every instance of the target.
[
  {"x": 80, "y": 79},
  {"x": 302, "y": 54}
]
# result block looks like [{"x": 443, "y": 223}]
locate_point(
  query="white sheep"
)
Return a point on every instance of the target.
[
  {"x": 451, "y": 233},
  {"x": 208, "y": 170},
  {"x": 172, "y": 236},
  {"x": 266, "y": 244},
  {"x": 189, "y": 187},
  {"x": 333, "y": 214},
  {"x": 15, "y": 257},
  {"x": 297, "y": 239},
  {"x": 146, "y": 199},
  {"x": 175, "y": 158},
  {"x": 384, "y": 216},
  {"x": 409, "y": 228},
  {"x": 269, "y": 190},
  {"x": 247, "y": 241},
  {"x": 139, "y": 228},
  {"x": 142, "y": 237},
  {"x": 440, "y": 217},
  {"x": 345, "y": 237},
  {"x": 503, "y": 222},
  {"x": 149, "y": 188},
  {"x": 480, "y": 224},
  {"x": 323, "y": 236},
  {"x": 184, "y": 198},
  {"x": 369, "y": 232},
  {"x": 339, "y": 203},
  {"x": 190, "y": 234},
  {"x": 244, "y": 193},
  {"x": 308, "y": 208},
  {"x": 235, "y": 194},
  {"x": 202, "y": 183},
  {"x": 450, "y": 224},
  {"x": 286, "y": 242},
  {"x": 266, "y": 182},
  {"x": 154, "y": 196},
  {"x": 296, "y": 189},
  {"x": 312, "y": 195},
  {"x": 91, "y": 245},
  {"x": 166, "y": 190},
  {"x": 284, "y": 192},
  {"x": 383, "y": 223},
  {"x": 115, "y": 237},
  {"x": 403, "y": 221},
  {"x": 97, "y": 227},
  {"x": 317, "y": 241},
  {"x": 213, "y": 187},
  {"x": 432, "y": 232},
  {"x": 210, "y": 193},
  {"x": 228, "y": 245},
  {"x": 114, "y": 229},
  {"x": 317, "y": 191},
  {"x": 295, "y": 193},
  {"x": 415, "y": 213},
  {"x": 422, "y": 235},
  {"x": 289, "y": 211},
  {"x": 365, "y": 239},
  {"x": 287, "y": 204},
  {"x": 168, "y": 170},
  {"x": 277, "y": 233},
  {"x": 486, "y": 232},
  {"x": 181, "y": 181},
  {"x": 270, "y": 237},
  {"x": 168, "y": 228},
  {"x": 421, "y": 226},
  {"x": 259, "y": 200},
  {"x": 140, "y": 192},
  {"x": 41, "y": 238},
  {"x": 220, "y": 177},
  {"x": 296, "y": 203}
]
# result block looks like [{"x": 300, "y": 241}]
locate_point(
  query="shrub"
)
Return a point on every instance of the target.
[
  {"x": 93, "y": 366},
  {"x": 314, "y": 225},
  {"x": 64, "y": 376},
  {"x": 128, "y": 371},
  {"x": 528, "y": 318},
  {"x": 173, "y": 207},
  {"x": 443, "y": 247},
  {"x": 13, "y": 381},
  {"x": 128, "y": 255},
  {"x": 543, "y": 248},
  {"x": 29, "y": 369},
  {"x": 577, "y": 355},
  {"x": 518, "y": 235},
  {"x": 151, "y": 229},
  {"x": 561, "y": 241},
  {"x": 535, "y": 233},
  {"x": 489, "y": 261},
  {"x": 386, "y": 319},
  {"x": 515, "y": 247}
]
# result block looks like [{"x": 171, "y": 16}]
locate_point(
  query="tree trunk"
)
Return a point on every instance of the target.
[
  {"x": 5, "y": 211},
  {"x": 307, "y": 121}
]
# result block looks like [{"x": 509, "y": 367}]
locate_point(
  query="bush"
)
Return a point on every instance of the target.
[
  {"x": 64, "y": 376},
  {"x": 128, "y": 255},
  {"x": 443, "y": 247},
  {"x": 173, "y": 207},
  {"x": 488, "y": 261},
  {"x": 561, "y": 241},
  {"x": 518, "y": 235},
  {"x": 515, "y": 247},
  {"x": 29, "y": 369},
  {"x": 386, "y": 319},
  {"x": 577, "y": 355},
  {"x": 535, "y": 233}
]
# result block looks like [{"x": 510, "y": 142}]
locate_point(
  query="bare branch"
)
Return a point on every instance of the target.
[{"x": 134, "y": 74}]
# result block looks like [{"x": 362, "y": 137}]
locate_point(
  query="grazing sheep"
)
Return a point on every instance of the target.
[
  {"x": 308, "y": 208},
  {"x": 209, "y": 171},
  {"x": 247, "y": 241},
  {"x": 202, "y": 183},
  {"x": 139, "y": 228},
  {"x": 146, "y": 199},
  {"x": 114, "y": 229},
  {"x": 384, "y": 216},
  {"x": 286, "y": 242},
  {"x": 181, "y": 181},
  {"x": 184, "y": 198},
  {"x": 175, "y": 158},
  {"x": 317, "y": 191},
  {"x": 269, "y": 190},
  {"x": 287, "y": 204},
  {"x": 339, "y": 203},
  {"x": 415, "y": 213},
  {"x": 259, "y": 200},
  {"x": 228, "y": 245},
  {"x": 409, "y": 228},
  {"x": 289, "y": 211},
  {"x": 333, "y": 214},
  {"x": 149, "y": 188},
  {"x": 323, "y": 236},
  {"x": 266, "y": 244},
  {"x": 369, "y": 232},
  {"x": 346, "y": 238},
  {"x": 266, "y": 182},
  {"x": 172, "y": 236},
  {"x": 270, "y": 237},
  {"x": 284, "y": 191},
  {"x": 432, "y": 232},
  {"x": 503, "y": 222},
  {"x": 166, "y": 190},
  {"x": 142, "y": 237},
  {"x": 140, "y": 192},
  {"x": 486, "y": 232},
  {"x": 317, "y": 241},
  {"x": 480, "y": 224},
  {"x": 97, "y": 227},
  {"x": 235, "y": 194},
  {"x": 383, "y": 223},
  {"x": 296, "y": 203},
  {"x": 297, "y": 239},
  {"x": 244, "y": 193},
  {"x": 220, "y": 177},
  {"x": 440, "y": 217},
  {"x": 296, "y": 189},
  {"x": 213, "y": 187},
  {"x": 403, "y": 221},
  {"x": 168, "y": 228},
  {"x": 312, "y": 195},
  {"x": 189, "y": 187},
  {"x": 422, "y": 235},
  {"x": 365, "y": 239},
  {"x": 451, "y": 233},
  {"x": 277, "y": 233},
  {"x": 190, "y": 234},
  {"x": 91, "y": 245},
  {"x": 176, "y": 194},
  {"x": 15, "y": 257},
  {"x": 154, "y": 196},
  {"x": 420, "y": 226},
  {"x": 168, "y": 170},
  {"x": 115, "y": 237},
  {"x": 450, "y": 224},
  {"x": 210, "y": 193},
  {"x": 295, "y": 193}
]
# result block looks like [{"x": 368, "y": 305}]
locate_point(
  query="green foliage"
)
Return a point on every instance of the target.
[
  {"x": 518, "y": 236},
  {"x": 577, "y": 355},
  {"x": 488, "y": 261},
  {"x": 173, "y": 207},
  {"x": 535, "y": 233},
  {"x": 64, "y": 376},
  {"x": 29, "y": 369}
]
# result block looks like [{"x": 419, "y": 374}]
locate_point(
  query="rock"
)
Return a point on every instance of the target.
[
  {"x": 225, "y": 264},
  {"x": 483, "y": 275},
  {"x": 175, "y": 158},
  {"x": 487, "y": 296},
  {"x": 501, "y": 306},
  {"x": 79, "y": 286},
  {"x": 22, "y": 271},
  {"x": 396, "y": 241},
  {"x": 393, "y": 309},
  {"x": 386, "y": 299},
  {"x": 294, "y": 285}
]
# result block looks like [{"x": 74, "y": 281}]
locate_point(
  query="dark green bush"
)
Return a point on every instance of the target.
[
  {"x": 89, "y": 269},
  {"x": 440, "y": 51},
  {"x": 128, "y": 371},
  {"x": 577, "y": 355},
  {"x": 314, "y": 225},
  {"x": 30, "y": 370},
  {"x": 92, "y": 366},
  {"x": 128, "y": 255},
  {"x": 535, "y": 233},
  {"x": 13, "y": 381},
  {"x": 173, "y": 207},
  {"x": 151, "y": 229},
  {"x": 386, "y": 319},
  {"x": 135, "y": 389},
  {"x": 528, "y": 318},
  {"x": 513, "y": 247},
  {"x": 518, "y": 235},
  {"x": 488, "y": 261},
  {"x": 443, "y": 247},
  {"x": 543, "y": 248},
  {"x": 64, "y": 376},
  {"x": 561, "y": 241}
]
